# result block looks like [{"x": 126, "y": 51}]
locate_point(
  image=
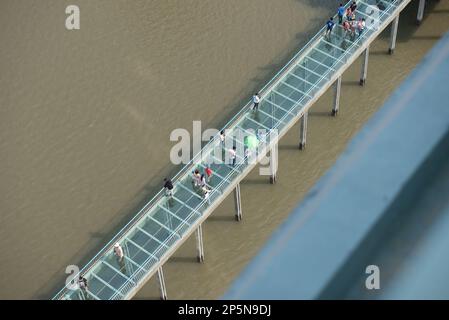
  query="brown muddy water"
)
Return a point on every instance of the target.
[{"x": 85, "y": 118}]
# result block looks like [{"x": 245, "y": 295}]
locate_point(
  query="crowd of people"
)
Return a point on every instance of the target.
[{"x": 348, "y": 20}]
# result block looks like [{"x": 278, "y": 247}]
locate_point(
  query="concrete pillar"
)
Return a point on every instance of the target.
[
  {"x": 162, "y": 288},
  {"x": 238, "y": 203},
  {"x": 364, "y": 66},
  {"x": 337, "y": 89},
  {"x": 393, "y": 34},
  {"x": 273, "y": 163},
  {"x": 422, "y": 4},
  {"x": 200, "y": 246},
  {"x": 303, "y": 131}
]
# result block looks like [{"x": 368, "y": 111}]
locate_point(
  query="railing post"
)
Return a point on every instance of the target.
[
  {"x": 303, "y": 131},
  {"x": 364, "y": 66},
  {"x": 162, "y": 288},
  {"x": 273, "y": 163},
  {"x": 422, "y": 4},
  {"x": 200, "y": 247},
  {"x": 337, "y": 90},
  {"x": 393, "y": 34},
  {"x": 238, "y": 203}
]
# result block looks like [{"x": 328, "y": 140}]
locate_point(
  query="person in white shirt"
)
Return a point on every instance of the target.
[
  {"x": 222, "y": 139},
  {"x": 118, "y": 252},
  {"x": 197, "y": 178},
  {"x": 233, "y": 155},
  {"x": 256, "y": 101}
]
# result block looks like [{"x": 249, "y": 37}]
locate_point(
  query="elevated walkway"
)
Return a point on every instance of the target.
[{"x": 164, "y": 223}]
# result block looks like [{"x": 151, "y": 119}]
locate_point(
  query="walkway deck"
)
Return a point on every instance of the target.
[{"x": 160, "y": 228}]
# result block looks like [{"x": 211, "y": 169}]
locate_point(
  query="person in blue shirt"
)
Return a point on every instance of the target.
[
  {"x": 341, "y": 13},
  {"x": 330, "y": 25}
]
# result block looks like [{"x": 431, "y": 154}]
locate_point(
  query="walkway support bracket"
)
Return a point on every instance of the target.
[
  {"x": 364, "y": 66},
  {"x": 238, "y": 203},
  {"x": 422, "y": 4},
  {"x": 303, "y": 131},
  {"x": 393, "y": 34},
  {"x": 162, "y": 288},
  {"x": 273, "y": 163},
  {"x": 337, "y": 91},
  {"x": 200, "y": 246}
]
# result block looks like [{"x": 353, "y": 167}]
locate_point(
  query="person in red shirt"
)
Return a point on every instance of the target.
[{"x": 208, "y": 172}]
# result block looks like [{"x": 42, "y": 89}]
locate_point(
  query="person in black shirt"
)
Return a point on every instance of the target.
[
  {"x": 82, "y": 282},
  {"x": 168, "y": 186}
]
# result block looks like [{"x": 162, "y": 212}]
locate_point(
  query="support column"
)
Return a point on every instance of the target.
[
  {"x": 273, "y": 163},
  {"x": 422, "y": 4},
  {"x": 162, "y": 288},
  {"x": 238, "y": 203},
  {"x": 364, "y": 66},
  {"x": 200, "y": 247},
  {"x": 303, "y": 131},
  {"x": 337, "y": 90},
  {"x": 393, "y": 34}
]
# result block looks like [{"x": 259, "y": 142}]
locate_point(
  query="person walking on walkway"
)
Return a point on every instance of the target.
[
  {"x": 203, "y": 184},
  {"x": 168, "y": 186},
  {"x": 222, "y": 137},
  {"x": 330, "y": 25},
  {"x": 196, "y": 177},
  {"x": 256, "y": 101},
  {"x": 82, "y": 284},
  {"x": 204, "y": 187},
  {"x": 348, "y": 14},
  {"x": 353, "y": 25},
  {"x": 233, "y": 155},
  {"x": 223, "y": 143},
  {"x": 341, "y": 13},
  {"x": 353, "y": 7},
  {"x": 208, "y": 172},
  {"x": 118, "y": 252},
  {"x": 346, "y": 27},
  {"x": 361, "y": 24}
]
